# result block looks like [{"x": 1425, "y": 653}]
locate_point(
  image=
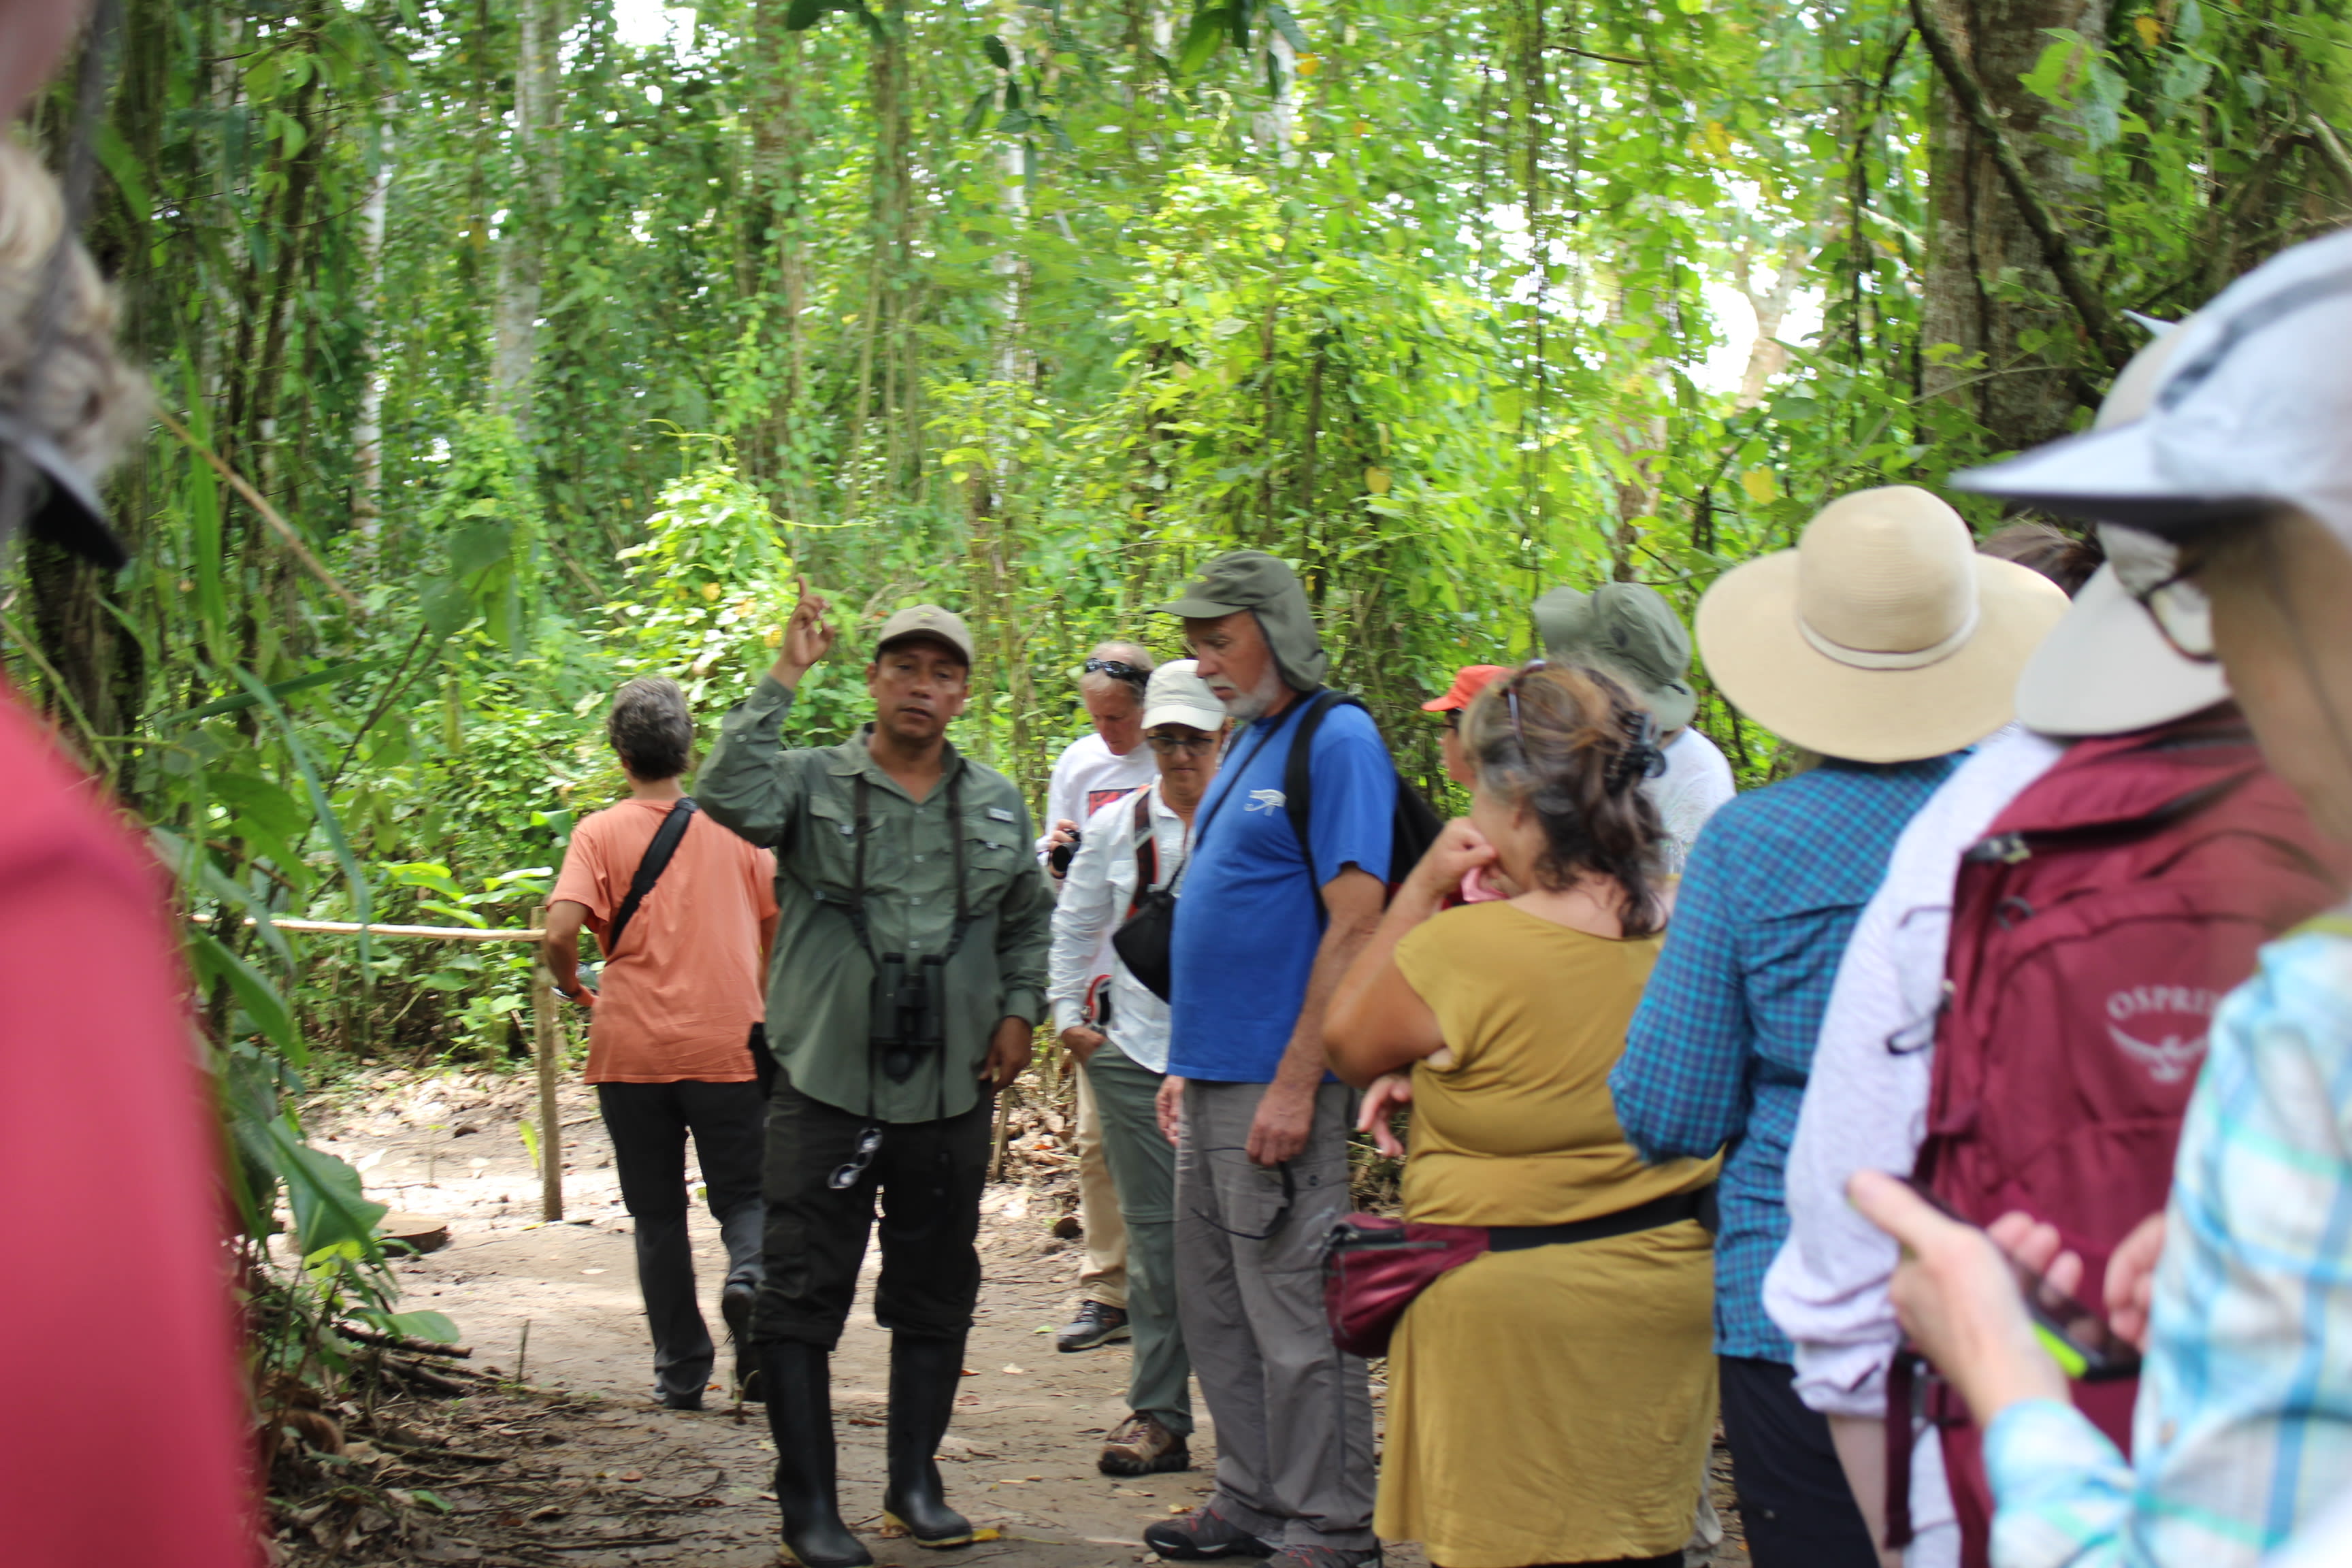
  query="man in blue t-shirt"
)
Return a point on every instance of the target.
[{"x": 1264, "y": 928}]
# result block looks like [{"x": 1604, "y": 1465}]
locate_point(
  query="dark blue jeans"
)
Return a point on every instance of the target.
[{"x": 649, "y": 1123}]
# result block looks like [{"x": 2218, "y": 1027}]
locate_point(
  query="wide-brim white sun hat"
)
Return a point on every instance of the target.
[
  {"x": 1883, "y": 637},
  {"x": 2105, "y": 670},
  {"x": 2251, "y": 415},
  {"x": 1177, "y": 695}
]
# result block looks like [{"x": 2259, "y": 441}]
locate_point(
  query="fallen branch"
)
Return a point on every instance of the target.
[
  {"x": 284, "y": 529},
  {"x": 395, "y": 1343},
  {"x": 424, "y": 1377},
  {"x": 2056, "y": 254}
]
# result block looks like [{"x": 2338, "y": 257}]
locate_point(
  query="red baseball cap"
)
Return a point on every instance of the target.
[{"x": 1470, "y": 680}]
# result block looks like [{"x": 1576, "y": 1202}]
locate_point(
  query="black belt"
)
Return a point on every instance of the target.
[{"x": 1655, "y": 1215}]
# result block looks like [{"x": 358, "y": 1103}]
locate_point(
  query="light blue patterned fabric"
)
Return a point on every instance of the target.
[
  {"x": 1719, "y": 1050},
  {"x": 2244, "y": 1421}
]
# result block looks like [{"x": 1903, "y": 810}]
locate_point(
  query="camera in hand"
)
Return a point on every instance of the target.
[
  {"x": 1059, "y": 856},
  {"x": 908, "y": 1004}
]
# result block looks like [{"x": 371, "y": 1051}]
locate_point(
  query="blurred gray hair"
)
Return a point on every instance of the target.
[
  {"x": 651, "y": 728},
  {"x": 81, "y": 395},
  {"x": 1136, "y": 654}
]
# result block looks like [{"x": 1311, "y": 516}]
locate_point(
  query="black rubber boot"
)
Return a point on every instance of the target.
[
  {"x": 924, "y": 1377},
  {"x": 799, "y": 1381}
]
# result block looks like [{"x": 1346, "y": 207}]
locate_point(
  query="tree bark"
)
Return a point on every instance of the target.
[
  {"x": 1989, "y": 287},
  {"x": 779, "y": 248},
  {"x": 367, "y": 434},
  {"x": 522, "y": 259}
]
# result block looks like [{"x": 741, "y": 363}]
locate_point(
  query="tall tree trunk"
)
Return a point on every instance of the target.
[
  {"x": 522, "y": 259},
  {"x": 76, "y": 611},
  {"x": 1988, "y": 284},
  {"x": 780, "y": 247},
  {"x": 367, "y": 434},
  {"x": 889, "y": 199}
]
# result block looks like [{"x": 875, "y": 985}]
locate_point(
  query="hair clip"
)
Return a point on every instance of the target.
[{"x": 1641, "y": 758}]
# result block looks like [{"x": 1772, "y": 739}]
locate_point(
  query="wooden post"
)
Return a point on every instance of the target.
[{"x": 547, "y": 1047}]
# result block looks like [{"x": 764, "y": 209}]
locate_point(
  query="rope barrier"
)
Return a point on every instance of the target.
[
  {"x": 545, "y": 1035},
  {"x": 446, "y": 934}
]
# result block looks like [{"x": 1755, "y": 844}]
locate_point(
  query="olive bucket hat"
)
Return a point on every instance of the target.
[{"x": 1629, "y": 631}]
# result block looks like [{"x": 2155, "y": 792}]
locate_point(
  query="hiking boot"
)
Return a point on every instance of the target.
[
  {"x": 1202, "y": 1534},
  {"x": 735, "y": 1306},
  {"x": 1326, "y": 1557},
  {"x": 678, "y": 1398},
  {"x": 1140, "y": 1446},
  {"x": 1094, "y": 1325},
  {"x": 924, "y": 1377}
]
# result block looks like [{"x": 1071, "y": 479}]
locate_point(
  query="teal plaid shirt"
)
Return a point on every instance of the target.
[
  {"x": 2244, "y": 1422},
  {"x": 1719, "y": 1049}
]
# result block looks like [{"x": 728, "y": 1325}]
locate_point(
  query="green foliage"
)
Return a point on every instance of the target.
[{"x": 1023, "y": 308}]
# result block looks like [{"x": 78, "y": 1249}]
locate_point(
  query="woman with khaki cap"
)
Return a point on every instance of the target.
[{"x": 1885, "y": 645}]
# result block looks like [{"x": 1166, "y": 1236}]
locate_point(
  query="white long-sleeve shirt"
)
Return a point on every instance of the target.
[
  {"x": 1094, "y": 898},
  {"x": 1866, "y": 1109},
  {"x": 1087, "y": 777}
]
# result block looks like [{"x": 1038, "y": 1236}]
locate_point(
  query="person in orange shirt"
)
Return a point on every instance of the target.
[{"x": 676, "y": 1024}]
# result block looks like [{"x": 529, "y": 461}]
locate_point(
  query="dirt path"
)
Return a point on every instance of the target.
[{"x": 568, "y": 1459}]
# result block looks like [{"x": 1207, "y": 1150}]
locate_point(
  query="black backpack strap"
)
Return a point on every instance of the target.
[
  {"x": 1299, "y": 781},
  {"x": 649, "y": 870}
]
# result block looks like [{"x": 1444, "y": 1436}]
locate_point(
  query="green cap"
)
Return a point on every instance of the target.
[
  {"x": 944, "y": 627},
  {"x": 1253, "y": 580},
  {"x": 1629, "y": 630}
]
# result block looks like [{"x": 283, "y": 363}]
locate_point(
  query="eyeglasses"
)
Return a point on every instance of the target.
[
  {"x": 1281, "y": 1216},
  {"x": 2173, "y": 600},
  {"x": 1165, "y": 743},
  {"x": 1118, "y": 670},
  {"x": 870, "y": 1143}
]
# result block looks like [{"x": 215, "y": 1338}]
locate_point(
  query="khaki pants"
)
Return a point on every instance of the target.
[
  {"x": 1104, "y": 1276},
  {"x": 1294, "y": 1414},
  {"x": 1160, "y": 1379}
]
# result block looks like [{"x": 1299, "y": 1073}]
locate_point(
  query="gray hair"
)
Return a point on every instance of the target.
[
  {"x": 651, "y": 728},
  {"x": 81, "y": 396},
  {"x": 1136, "y": 654}
]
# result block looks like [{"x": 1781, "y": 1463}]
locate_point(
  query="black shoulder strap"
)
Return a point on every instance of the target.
[
  {"x": 1299, "y": 778},
  {"x": 649, "y": 870},
  {"x": 1146, "y": 844}
]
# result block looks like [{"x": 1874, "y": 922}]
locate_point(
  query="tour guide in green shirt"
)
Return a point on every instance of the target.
[{"x": 909, "y": 972}]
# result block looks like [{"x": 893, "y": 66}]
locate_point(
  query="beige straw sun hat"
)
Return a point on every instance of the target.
[{"x": 1883, "y": 637}]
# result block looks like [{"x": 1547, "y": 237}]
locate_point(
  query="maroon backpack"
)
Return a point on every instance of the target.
[{"x": 2094, "y": 929}]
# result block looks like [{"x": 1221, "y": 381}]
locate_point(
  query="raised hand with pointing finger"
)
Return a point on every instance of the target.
[{"x": 808, "y": 636}]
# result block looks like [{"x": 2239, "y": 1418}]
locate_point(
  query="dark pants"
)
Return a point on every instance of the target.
[
  {"x": 649, "y": 1123},
  {"x": 929, "y": 1177},
  {"x": 1794, "y": 1502}
]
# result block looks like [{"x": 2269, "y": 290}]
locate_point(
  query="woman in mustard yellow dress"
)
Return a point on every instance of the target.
[{"x": 1550, "y": 1404}]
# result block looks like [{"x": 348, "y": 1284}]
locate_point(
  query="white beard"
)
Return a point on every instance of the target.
[{"x": 1255, "y": 702}]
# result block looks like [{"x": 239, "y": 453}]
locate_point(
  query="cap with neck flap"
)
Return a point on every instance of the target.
[{"x": 1252, "y": 580}]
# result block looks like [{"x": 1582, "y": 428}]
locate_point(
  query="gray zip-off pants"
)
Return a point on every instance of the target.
[{"x": 1294, "y": 1415}]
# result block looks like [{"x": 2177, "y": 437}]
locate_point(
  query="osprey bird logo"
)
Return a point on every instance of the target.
[
  {"x": 2167, "y": 1061},
  {"x": 2168, "y": 1007}
]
